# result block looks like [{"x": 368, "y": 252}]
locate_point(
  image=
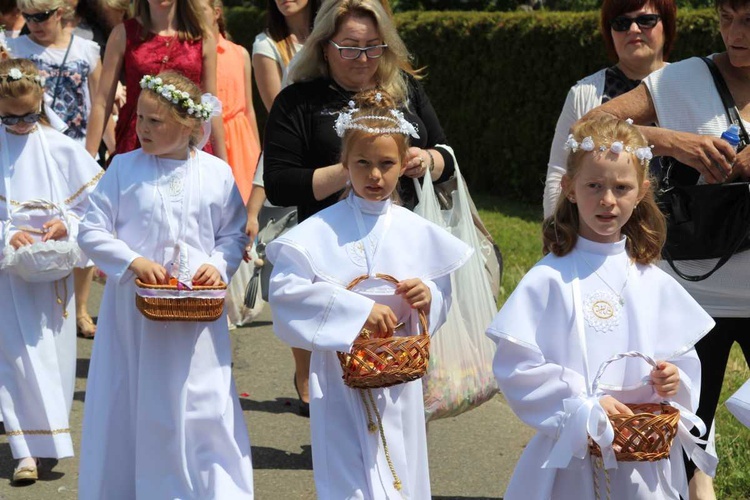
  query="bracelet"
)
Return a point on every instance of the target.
[{"x": 432, "y": 160}]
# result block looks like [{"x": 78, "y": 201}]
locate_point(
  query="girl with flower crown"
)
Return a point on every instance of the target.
[
  {"x": 162, "y": 418},
  {"x": 364, "y": 234},
  {"x": 595, "y": 295},
  {"x": 37, "y": 341}
]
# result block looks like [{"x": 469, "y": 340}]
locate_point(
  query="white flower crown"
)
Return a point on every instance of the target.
[
  {"x": 203, "y": 111},
  {"x": 346, "y": 121},
  {"x": 643, "y": 154},
  {"x": 15, "y": 74}
]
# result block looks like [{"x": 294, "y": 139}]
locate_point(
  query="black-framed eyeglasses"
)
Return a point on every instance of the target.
[
  {"x": 644, "y": 21},
  {"x": 10, "y": 120},
  {"x": 372, "y": 52},
  {"x": 39, "y": 17}
]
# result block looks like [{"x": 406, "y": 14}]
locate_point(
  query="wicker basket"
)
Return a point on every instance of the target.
[
  {"x": 382, "y": 362},
  {"x": 167, "y": 303},
  {"x": 645, "y": 436}
]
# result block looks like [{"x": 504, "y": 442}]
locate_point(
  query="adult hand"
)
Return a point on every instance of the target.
[
  {"x": 381, "y": 322},
  {"x": 417, "y": 161},
  {"x": 54, "y": 230},
  {"x": 741, "y": 166},
  {"x": 149, "y": 271},
  {"x": 612, "y": 406},
  {"x": 252, "y": 228},
  {"x": 20, "y": 239},
  {"x": 121, "y": 95},
  {"x": 711, "y": 156}
]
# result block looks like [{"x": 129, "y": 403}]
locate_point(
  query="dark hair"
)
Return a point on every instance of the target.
[
  {"x": 7, "y": 6},
  {"x": 279, "y": 31},
  {"x": 667, "y": 9},
  {"x": 733, "y": 4}
]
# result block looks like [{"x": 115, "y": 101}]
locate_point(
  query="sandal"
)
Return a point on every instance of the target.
[
  {"x": 27, "y": 474},
  {"x": 85, "y": 326}
]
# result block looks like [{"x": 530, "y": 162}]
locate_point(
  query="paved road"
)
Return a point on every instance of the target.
[{"x": 471, "y": 456}]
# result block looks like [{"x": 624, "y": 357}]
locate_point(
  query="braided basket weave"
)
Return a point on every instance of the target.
[
  {"x": 182, "y": 308},
  {"x": 382, "y": 362},
  {"x": 645, "y": 436}
]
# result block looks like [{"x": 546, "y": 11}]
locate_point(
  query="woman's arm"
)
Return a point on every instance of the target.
[
  {"x": 437, "y": 159},
  {"x": 558, "y": 157},
  {"x": 711, "y": 156},
  {"x": 249, "y": 107},
  {"x": 209, "y": 85},
  {"x": 103, "y": 98},
  {"x": 268, "y": 78}
]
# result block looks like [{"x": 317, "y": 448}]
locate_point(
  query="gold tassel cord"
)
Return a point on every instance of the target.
[
  {"x": 599, "y": 463},
  {"x": 371, "y": 427},
  {"x": 64, "y": 299}
]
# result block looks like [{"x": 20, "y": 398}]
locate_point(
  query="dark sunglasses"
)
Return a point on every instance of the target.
[
  {"x": 39, "y": 17},
  {"x": 10, "y": 120},
  {"x": 644, "y": 21}
]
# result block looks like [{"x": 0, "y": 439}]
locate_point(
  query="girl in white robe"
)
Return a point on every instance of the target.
[
  {"x": 364, "y": 234},
  {"x": 162, "y": 418},
  {"x": 595, "y": 295},
  {"x": 37, "y": 336}
]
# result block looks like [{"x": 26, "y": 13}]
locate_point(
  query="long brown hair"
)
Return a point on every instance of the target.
[
  {"x": 278, "y": 30},
  {"x": 191, "y": 24},
  {"x": 646, "y": 229}
]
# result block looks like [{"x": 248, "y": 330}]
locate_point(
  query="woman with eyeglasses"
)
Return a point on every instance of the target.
[
  {"x": 353, "y": 46},
  {"x": 684, "y": 100},
  {"x": 638, "y": 35}
]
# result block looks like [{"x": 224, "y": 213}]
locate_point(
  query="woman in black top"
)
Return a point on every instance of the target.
[{"x": 301, "y": 149}]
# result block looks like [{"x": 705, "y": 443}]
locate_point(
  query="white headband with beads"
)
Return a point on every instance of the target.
[
  {"x": 346, "y": 121},
  {"x": 15, "y": 74},
  {"x": 204, "y": 111},
  {"x": 643, "y": 154}
]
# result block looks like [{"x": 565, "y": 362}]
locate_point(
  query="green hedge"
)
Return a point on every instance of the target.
[{"x": 498, "y": 80}]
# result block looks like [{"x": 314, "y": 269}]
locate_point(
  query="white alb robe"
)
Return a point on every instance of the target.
[
  {"x": 739, "y": 404},
  {"x": 38, "y": 344},
  {"x": 313, "y": 264},
  {"x": 546, "y": 375},
  {"x": 162, "y": 418}
]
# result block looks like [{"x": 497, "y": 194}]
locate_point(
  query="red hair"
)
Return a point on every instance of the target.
[{"x": 611, "y": 9}]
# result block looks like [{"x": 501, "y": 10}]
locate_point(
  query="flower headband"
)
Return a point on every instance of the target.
[
  {"x": 346, "y": 121},
  {"x": 15, "y": 74},
  {"x": 643, "y": 154},
  {"x": 203, "y": 111}
]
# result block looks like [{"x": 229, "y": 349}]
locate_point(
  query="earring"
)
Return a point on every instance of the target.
[{"x": 572, "y": 199}]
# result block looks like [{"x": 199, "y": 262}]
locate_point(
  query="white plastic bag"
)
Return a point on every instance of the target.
[
  {"x": 739, "y": 404},
  {"x": 460, "y": 376}
]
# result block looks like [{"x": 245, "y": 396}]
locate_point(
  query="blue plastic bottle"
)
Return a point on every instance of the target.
[{"x": 732, "y": 136}]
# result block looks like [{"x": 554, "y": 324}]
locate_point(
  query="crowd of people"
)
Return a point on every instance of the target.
[{"x": 129, "y": 144}]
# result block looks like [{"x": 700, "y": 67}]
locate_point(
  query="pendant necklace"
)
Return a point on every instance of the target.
[{"x": 627, "y": 275}]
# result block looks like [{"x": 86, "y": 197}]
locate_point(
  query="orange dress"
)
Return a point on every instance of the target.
[{"x": 243, "y": 147}]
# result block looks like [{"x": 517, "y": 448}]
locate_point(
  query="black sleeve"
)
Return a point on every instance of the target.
[
  {"x": 434, "y": 131},
  {"x": 287, "y": 181}
]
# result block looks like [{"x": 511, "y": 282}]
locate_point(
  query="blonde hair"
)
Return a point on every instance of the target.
[
  {"x": 14, "y": 89},
  {"x": 191, "y": 23},
  {"x": 645, "y": 230},
  {"x": 178, "y": 113},
  {"x": 393, "y": 65},
  {"x": 42, "y": 5}
]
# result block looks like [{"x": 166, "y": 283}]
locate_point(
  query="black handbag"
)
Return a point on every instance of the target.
[{"x": 706, "y": 221}]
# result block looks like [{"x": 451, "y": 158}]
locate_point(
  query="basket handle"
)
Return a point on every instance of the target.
[
  {"x": 37, "y": 202},
  {"x": 616, "y": 357},
  {"x": 421, "y": 315}
]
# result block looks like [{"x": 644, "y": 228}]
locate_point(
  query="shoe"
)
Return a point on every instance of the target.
[
  {"x": 26, "y": 475},
  {"x": 304, "y": 408},
  {"x": 85, "y": 327}
]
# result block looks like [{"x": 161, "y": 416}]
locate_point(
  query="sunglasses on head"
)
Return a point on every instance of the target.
[
  {"x": 39, "y": 17},
  {"x": 644, "y": 21},
  {"x": 10, "y": 120}
]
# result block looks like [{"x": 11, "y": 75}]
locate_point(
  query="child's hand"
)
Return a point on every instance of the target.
[
  {"x": 381, "y": 321},
  {"x": 54, "y": 230},
  {"x": 666, "y": 379},
  {"x": 207, "y": 275},
  {"x": 613, "y": 407},
  {"x": 149, "y": 271},
  {"x": 416, "y": 293},
  {"x": 20, "y": 239}
]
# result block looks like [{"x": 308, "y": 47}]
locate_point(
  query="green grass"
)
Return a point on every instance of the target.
[{"x": 516, "y": 228}]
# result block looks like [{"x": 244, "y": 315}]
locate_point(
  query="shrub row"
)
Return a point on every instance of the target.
[{"x": 498, "y": 80}]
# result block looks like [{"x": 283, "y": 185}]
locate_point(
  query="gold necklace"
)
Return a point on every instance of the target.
[{"x": 627, "y": 276}]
